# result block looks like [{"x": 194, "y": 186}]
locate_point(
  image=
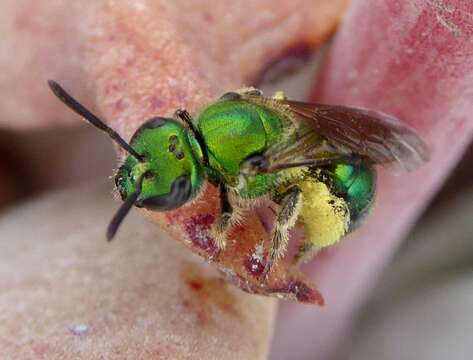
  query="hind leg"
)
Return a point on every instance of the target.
[
  {"x": 224, "y": 222},
  {"x": 228, "y": 217},
  {"x": 290, "y": 202}
]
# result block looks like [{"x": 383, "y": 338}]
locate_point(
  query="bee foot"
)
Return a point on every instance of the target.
[
  {"x": 263, "y": 277},
  {"x": 220, "y": 240},
  {"x": 253, "y": 91},
  {"x": 215, "y": 255}
]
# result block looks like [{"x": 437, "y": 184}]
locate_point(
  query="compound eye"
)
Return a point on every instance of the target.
[{"x": 181, "y": 190}]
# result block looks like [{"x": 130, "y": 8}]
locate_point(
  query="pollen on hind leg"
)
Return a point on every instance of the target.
[
  {"x": 280, "y": 236},
  {"x": 323, "y": 215}
]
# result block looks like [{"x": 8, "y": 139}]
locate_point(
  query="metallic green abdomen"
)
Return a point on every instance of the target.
[
  {"x": 235, "y": 129},
  {"x": 356, "y": 184}
]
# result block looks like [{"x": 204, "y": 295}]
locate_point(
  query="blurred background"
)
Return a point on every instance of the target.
[{"x": 426, "y": 293}]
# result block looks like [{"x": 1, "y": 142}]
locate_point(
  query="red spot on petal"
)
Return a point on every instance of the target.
[
  {"x": 254, "y": 264},
  {"x": 208, "y": 18},
  {"x": 304, "y": 293},
  {"x": 156, "y": 102},
  {"x": 198, "y": 229},
  {"x": 121, "y": 105},
  {"x": 195, "y": 285}
]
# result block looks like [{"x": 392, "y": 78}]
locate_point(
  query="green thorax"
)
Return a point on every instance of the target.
[
  {"x": 356, "y": 185},
  {"x": 235, "y": 129}
]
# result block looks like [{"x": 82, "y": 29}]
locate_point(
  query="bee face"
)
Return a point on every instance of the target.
[{"x": 167, "y": 168}]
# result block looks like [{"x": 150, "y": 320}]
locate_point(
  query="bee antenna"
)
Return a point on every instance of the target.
[
  {"x": 124, "y": 209},
  {"x": 91, "y": 118}
]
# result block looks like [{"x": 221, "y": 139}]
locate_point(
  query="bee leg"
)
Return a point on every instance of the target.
[
  {"x": 290, "y": 202},
  {"x": 183, "y": 114},
  {"x": 224, "y": 223},
  {"x": 252, "y": 91}
]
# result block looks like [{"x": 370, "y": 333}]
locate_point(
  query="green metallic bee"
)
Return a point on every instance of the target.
[{"x": 315, "y": 161}]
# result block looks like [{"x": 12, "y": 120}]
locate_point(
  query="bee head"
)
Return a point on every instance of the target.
[
  {"x": 168, "y": 172},
  {"x": 162, "y": 170}
]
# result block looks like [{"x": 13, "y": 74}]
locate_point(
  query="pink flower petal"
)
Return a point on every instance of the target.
[{"x": 413, "y": 60}]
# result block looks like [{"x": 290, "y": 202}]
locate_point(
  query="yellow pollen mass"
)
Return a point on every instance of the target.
[{"x": 325, "y": 216}]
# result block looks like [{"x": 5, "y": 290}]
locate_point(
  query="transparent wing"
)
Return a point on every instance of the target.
[
  {"x": 374, "y": 136},
  {"x": 304, "y": 147}
]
